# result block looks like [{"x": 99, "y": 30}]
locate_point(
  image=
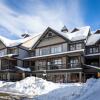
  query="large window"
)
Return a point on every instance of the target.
[
  {"x": 56, "y": 49},
  {"x": 42, "y": 65},
  {"x": 13, "y": 51},
  {"x": 75, "y": 46},
  {"x": 49, "y": 50},
  {"x": 55, "y": 64},
  {"x": 45, "y": 51},
  {"x": 93, "y": 50},
  {"x": 2, "y": 53},
  {"x": 74, "y": 62},
  {"x": 78, "y": 46},
  {"x": 72, "y": 47}
]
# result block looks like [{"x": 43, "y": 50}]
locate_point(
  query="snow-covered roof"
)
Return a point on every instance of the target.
[
  {"x": 9, "y": 43},
  {"x": 30, "y": 42},
  {"x": 82, "y": 33},
  {"x": 93, "y": 39},
  {"x": 23, "y": 69}
]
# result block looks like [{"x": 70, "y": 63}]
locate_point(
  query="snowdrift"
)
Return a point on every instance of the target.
[
  {"x": 44, "y": 90},
  {"x": 28, "y": 86}
]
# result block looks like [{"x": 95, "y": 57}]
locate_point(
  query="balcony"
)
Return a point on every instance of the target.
[
  {"x": 74, "y": 65},
  {"x": 58, "y": 66},
  {"x": 92, "y": 50}
]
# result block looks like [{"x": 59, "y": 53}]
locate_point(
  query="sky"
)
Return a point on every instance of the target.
[{"x": 34, "y": 16}]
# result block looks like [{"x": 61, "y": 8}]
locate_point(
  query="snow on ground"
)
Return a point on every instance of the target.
[{"x": 40, "y": 89}]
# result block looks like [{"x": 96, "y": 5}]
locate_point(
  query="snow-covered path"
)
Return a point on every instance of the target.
[{"x": 39, "y": 89}]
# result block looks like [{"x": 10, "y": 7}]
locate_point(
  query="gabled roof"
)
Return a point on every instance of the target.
[{"x": 45, "y": 32}]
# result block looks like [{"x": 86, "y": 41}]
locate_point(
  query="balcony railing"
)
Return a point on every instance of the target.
[
  {"x": 92, "y": 50},
  {"x": 59, "y": 66},
  {"x": 5, "y": 67},
  {"x": 74, "y": 65}
]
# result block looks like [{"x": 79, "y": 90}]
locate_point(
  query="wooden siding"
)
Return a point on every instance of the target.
[{"x": 51, "y": 41}]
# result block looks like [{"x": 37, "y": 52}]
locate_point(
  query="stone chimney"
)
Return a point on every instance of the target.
[{"x": 64, "y": 29}]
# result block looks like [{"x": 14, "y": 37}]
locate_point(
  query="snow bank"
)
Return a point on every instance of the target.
[
  {"x": 90, "y": 90},
  {"x": 29, "y": 86},
  {"x": 40, "y": 89}
]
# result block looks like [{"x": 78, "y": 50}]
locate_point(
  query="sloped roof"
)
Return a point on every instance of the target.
[
  {"x": 10, "y": 43},
  {"x": 94, "y": 38},
  {"x": 30, "y": 42},
  {"x": 82, "y": 33}
]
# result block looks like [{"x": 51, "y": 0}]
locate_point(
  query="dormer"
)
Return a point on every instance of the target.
[
  {"x": 97, "y": 32},
  {"x": 64, "y": 29},
  {"x": 74, "y": 30}
]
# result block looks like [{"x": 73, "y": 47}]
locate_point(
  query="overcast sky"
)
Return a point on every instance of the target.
[{"x": 34, "y": 16}]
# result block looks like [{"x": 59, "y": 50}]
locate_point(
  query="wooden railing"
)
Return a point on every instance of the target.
[
  {"x": 87, "y": 51},
  {"x": 59, "y": 66},
  {"x": 74, "y": 65}
]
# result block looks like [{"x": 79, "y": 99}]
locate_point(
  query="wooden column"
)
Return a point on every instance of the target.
[
  {"x": 23, "y": 75},
  {"x": 80, "y": 76},
  {"x": 8, "y": 76},
  {"x": 66, "y": 75}
]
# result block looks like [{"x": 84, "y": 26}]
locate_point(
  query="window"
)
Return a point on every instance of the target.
[
  {"x": 72, "y": 47},
  {"x": 74, "y": 61},
  {"x": 49, "y": 50},
  {"x": 56, "y": 49},
  {"x": 1, "y": 53},
  {"x": 55, "y": 64},
  {"x": 93, "y": 50},
  {"x": 13, "y": 51},
  {"x": 78, "y": 46},
  {"x": 90, "y": 50},
  {"x": 42, "y": 65},
  {"x": 45, "y": 51},
  {"x": 49, "y": 35}
]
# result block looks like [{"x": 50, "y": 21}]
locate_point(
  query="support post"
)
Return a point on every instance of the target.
[
  {"x": 8, "y": 76},
  {"x": 66, "y": 77},
  {"x": 23, "y": 75},
  {"x": 80, "y": 76}
]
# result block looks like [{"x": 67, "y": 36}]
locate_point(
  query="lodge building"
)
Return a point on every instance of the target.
[{"x": 58, "y": 56}]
